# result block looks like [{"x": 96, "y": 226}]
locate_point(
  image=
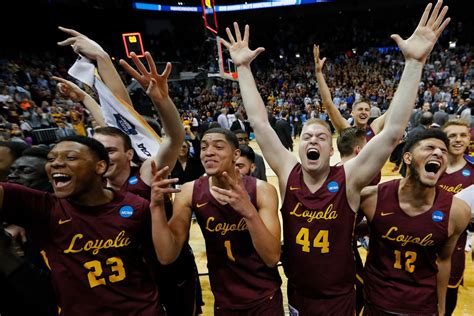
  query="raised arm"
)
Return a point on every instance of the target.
[
  {"x": 156, "y": 87},
  {"x": 84, "y": 46},
  {"x": 415, "y": 50},
  {"x": 263, "y": 224},
  {"x": 459, "y": 218},
  {"x": 337, "y": 120},
  {"x": 279, "y": 159},
  {"x": 73, "y": 92},
  {"x": 169, "y": 237}
]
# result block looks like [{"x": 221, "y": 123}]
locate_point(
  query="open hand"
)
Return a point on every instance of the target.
[
  {"x": 239, "y": 48},
  {"x": 156, "y": 85},
  {"x": 419, "y": 45}
]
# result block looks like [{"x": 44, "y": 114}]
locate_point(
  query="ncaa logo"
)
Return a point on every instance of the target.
[
  {"x": 333, "y": 187},
  {"x": 126, "y": 211},
  {"x": 466, "y": 173},
  {"x": 369, "y": 132},
  {"x": 133, "y": 180},
  {"x": 437, "y": 216}
]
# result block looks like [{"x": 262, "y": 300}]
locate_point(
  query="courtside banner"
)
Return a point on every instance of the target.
[{"x": 117, "y": 112}]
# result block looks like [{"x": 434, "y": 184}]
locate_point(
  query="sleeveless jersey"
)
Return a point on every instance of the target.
[
  {"x": 239, "y": 278},
  {"x": 402, "y": 255},
  {"x": 369, "y": 133},
  {"x": 318, "y": 231},
  {"x": 454, "y": 183}
]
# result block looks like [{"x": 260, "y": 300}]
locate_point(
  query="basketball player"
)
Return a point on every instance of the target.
[
  {"x": 246, "y": 161},
  {"x": 179, "y": 282},
  {"x": 414, "y": 227},
  {"x": 239, "y": 221},
  {"x": 350, "y": 142},
  {"x": 360, "y": 109},
  {"x": 319, "y": 201},
  {"x": 458, "y": 176},
  {"x": 91, "y": 236}
]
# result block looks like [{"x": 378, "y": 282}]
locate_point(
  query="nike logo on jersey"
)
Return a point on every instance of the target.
[
  {"x": 294, "y": 188},
  {"x": 199, "y": 205},
  {"x": 386, "y": 214},
  {"x": 60, "y": 222}
]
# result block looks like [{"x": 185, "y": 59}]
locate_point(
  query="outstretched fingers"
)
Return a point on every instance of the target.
[
  {"x": 69, "y": 31},
  {"x": 151, "y": 63},
  {"x": 230, "y": 36},
  {"x": 434, "y": 14},
  {"x": 166, "y": 73},
  {"x": 425, "y": 16},
  {"x": 131, "y": 71},
  {"x": 138, "y": 63},
  {"x": 246, "y": 33},
  {"x": 440, "y": 18},
  {"x": 237, "y": 32},
  {"x": 442, "y": 27}
]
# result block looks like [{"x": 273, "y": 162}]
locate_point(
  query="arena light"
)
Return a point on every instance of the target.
[
  {"x": 452, "y": 44},
  {"x": 225, "y": 8}
]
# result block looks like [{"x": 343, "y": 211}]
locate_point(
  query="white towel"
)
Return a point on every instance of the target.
[{"x": 117, "y": 112}]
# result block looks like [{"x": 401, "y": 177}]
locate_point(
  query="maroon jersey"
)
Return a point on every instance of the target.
[
  {"x": 173, "y": 279},
  {"x": 239, "y": 278},
  {"x": 369, "y": 133},
  {"x": 318, "y": 232},
  {"x": 94, "y": 253},
  {"x": 401, "y": 262},
  {"x": 135, "y": 185},
  {"x": 454, "y": 183}
]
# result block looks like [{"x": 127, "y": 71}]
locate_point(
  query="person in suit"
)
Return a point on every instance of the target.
[{"x": 283, "y": 130}]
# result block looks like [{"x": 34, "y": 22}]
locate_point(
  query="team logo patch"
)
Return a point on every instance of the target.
[
  {"x": 126, "y": 126},
  {"x": 466, "y": 173},
  {"x": 333, "y": 187},
  {"x": 437, "y": 216},
  {"x": 369, "y": 133},
  {"x": 126, "y": 211},
  {"x": 133, "y": 180}
]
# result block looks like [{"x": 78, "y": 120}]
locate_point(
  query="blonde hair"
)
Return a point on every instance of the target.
[
  {"x": 456, "y": 122},
  {"x": 317, "y": 121}
]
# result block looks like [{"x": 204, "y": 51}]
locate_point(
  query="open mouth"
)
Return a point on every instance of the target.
[
  {"x": 61, "y": 179},
  {"x": 432, "y": 167},
  {"x": 312, "y": 154}
]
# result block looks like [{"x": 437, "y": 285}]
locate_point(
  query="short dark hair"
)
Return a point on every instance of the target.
[
  {"x": 16, "y": 148},
  {"x": 348, "y": 139},
  {"x": 240, "y": 131},
  {"x": 93, "y": 145},
  {"x": 39, "y": 152},
  {"x": 426, "y": 118},
  {"x": 413, "y": 140},
  {"x": 247, "y": 151},
  {"x": 114, "y": 131},
  {"x": 229, "y": 136}
]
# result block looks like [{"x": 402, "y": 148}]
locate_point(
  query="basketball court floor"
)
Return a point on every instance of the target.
[{"x": 465, "y": 306}]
